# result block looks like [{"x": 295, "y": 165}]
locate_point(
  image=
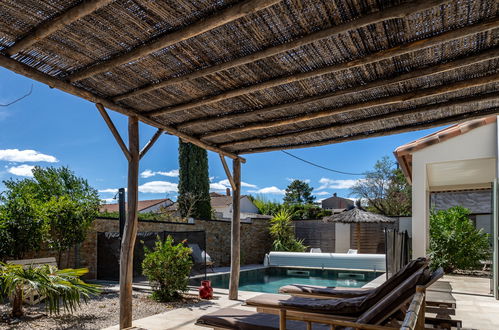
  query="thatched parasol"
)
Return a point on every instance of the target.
[{"x": 358, "y": 215}]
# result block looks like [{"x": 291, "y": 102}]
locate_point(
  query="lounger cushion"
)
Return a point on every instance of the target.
[
  {"x": 336, "y": 292},
  {"x": 232, "y": 318},
  {"x": 346, "y": 306},
  {"x": 382, "y": 290}
]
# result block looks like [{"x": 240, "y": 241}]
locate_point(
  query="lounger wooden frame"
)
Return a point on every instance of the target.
[
  {"x": 301, "y": 315},
  {"x": 414, "y": 319}
]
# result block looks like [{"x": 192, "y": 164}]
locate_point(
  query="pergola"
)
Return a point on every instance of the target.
[{"x": 238, "y": 77}]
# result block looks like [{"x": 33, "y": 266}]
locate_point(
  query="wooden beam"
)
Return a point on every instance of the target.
[
  {"x": 235, "y": 250},
  {"x": 401, "y": 98},
  {"x": 131, "y": 226},
  {"x": 113, "y": 130},
  {"x": 227, "y": 172},
  {"x": 376, "y": 57},
  {"x": 45, "y": 29},
  {"x": 418, "y": 73},
  {"x": 151, "y": 142},
  {"x": 395, "y": 130},
  {"x": 31, "y": 73},
  {"x": 400, "y": 11},
  {"x": 223, "y": 17}
]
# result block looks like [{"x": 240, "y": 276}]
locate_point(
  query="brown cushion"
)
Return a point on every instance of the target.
[
  {"x": 344, "y": 306},
  {"x": 239, "y": 319},
  {"x": 336, "y": 292},
  {"x": 382, "y": 308}
]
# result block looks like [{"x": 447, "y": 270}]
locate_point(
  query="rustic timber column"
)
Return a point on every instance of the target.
[
  {"x": 236, "y": 231},
  {"x": 131, "y": 224}
]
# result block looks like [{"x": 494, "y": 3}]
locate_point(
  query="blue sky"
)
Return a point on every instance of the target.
[{"x": 52, "y": 128}]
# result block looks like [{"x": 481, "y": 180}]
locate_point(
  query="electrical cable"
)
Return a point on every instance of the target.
[{"x": 320, "y": 166}]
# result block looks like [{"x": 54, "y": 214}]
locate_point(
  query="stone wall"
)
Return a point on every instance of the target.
[{"x": 255, "y": 240}]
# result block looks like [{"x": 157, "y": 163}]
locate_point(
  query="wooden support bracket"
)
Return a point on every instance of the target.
[
  {"x": 151, "y": 142},
  {"x": 113, "y": 129},
  {"x": 227, "y": 172}
]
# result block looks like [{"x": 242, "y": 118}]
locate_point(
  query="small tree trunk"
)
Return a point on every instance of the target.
[{"x": 17, "y": 303}]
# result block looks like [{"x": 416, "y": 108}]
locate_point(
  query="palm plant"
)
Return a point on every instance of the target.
[
  {"x": 281, "y": 230},
  {"x": 57, "y": 286}
]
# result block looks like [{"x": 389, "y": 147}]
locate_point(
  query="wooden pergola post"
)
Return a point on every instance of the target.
[
  {"x": 235, "y": 251},
  {"x": 131, "y": 226},
  {"x": 133, "y": 155},
  {"x": 235, "y": 242}
]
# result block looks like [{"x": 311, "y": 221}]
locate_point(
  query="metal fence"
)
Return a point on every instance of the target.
[{"x": 108, "y": 250}]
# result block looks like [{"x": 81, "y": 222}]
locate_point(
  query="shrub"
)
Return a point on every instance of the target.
[
  {"x": 265, "y": 206},
  {"x": 167, "y": 268},
  {"x": 283, "y": 234},
  {"x": 307, "y": 212},
  {"x": 56, "y": 285},
  {"x": 455, "y": 243}
]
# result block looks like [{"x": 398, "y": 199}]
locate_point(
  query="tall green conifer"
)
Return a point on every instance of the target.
[{"x": 194, "y": 185}]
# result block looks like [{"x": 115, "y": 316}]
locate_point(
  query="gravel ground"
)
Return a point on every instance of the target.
[{"x": 100, "y": 312}]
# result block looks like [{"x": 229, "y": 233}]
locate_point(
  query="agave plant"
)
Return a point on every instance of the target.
[{"x": 57, "y": 286}]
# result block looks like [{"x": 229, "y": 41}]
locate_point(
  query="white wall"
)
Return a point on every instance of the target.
[
  {"x": 342, "y": 237},
  {"x": 479, "y": 143},
  {"x": 246, "y": 206}
]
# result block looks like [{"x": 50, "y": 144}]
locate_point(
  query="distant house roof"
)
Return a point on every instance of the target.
[
  {"x": 221, "y": 200},
  {"x": 142, "y": 205},
  {"x": 404, "y": 152},
  {"x": 335, "y": 202}
]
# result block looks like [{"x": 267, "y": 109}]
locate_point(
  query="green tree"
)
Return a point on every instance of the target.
[
  {"x": 69, "y": 206},
  {"x": 455, "y": 243},
  {"x": 282, "y": 233},
  {"x": 193, "y": 184},
  {"x": 385, "y": 189},
  {"x": 23, "y": 226},
  {"x": 299, "y": 192},
  {"x": 55, "y": 207}
]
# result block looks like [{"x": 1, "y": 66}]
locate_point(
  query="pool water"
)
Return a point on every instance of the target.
[{"x": 270, "y": 279}]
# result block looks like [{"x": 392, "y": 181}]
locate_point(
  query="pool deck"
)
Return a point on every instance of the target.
[{"x": 475, "y": 307}]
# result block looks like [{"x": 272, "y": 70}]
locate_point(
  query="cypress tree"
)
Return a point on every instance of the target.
[{"x": 193, "y": 185}]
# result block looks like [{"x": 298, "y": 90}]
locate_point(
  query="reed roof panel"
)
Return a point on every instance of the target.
[{"x": 206, "y": 81}]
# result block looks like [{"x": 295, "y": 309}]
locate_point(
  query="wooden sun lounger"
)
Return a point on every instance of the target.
[
  {"x": 231, "y": 319},
  {"x": 360, "y": 312}
]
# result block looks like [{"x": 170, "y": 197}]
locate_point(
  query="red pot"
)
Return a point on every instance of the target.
[{"x": 205, "y": 290}]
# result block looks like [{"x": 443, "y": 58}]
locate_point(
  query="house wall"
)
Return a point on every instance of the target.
[
  {"x": 479, "y": 143},
  {"x": 247, "y": 206},
  {"x": 255, "y": 241}
]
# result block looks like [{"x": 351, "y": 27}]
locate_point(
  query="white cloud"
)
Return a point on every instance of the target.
[
  {"x": 217, "y": 186},
  {"x": 269, "y": 190},
  {"x": 224, "y": 184},
  {"x": 336, "y": 184},
  {"x": 149, "y": 173},
  {"x": 21, "y": 170},
  {"x": 158, "y": 187},
  {"x": 108, "y": 200},
  {"x": 16, "y": 155},
  {"x": 322, "y": 193},
  {"x": 108, "y": 190},
  {"x": 293, "y": 179}
]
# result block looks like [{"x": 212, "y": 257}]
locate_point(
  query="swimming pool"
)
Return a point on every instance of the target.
[{"x": 270, "y": 279}]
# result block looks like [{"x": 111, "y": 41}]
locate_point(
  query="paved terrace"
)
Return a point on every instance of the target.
[{"x": 476, "y": 307}]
